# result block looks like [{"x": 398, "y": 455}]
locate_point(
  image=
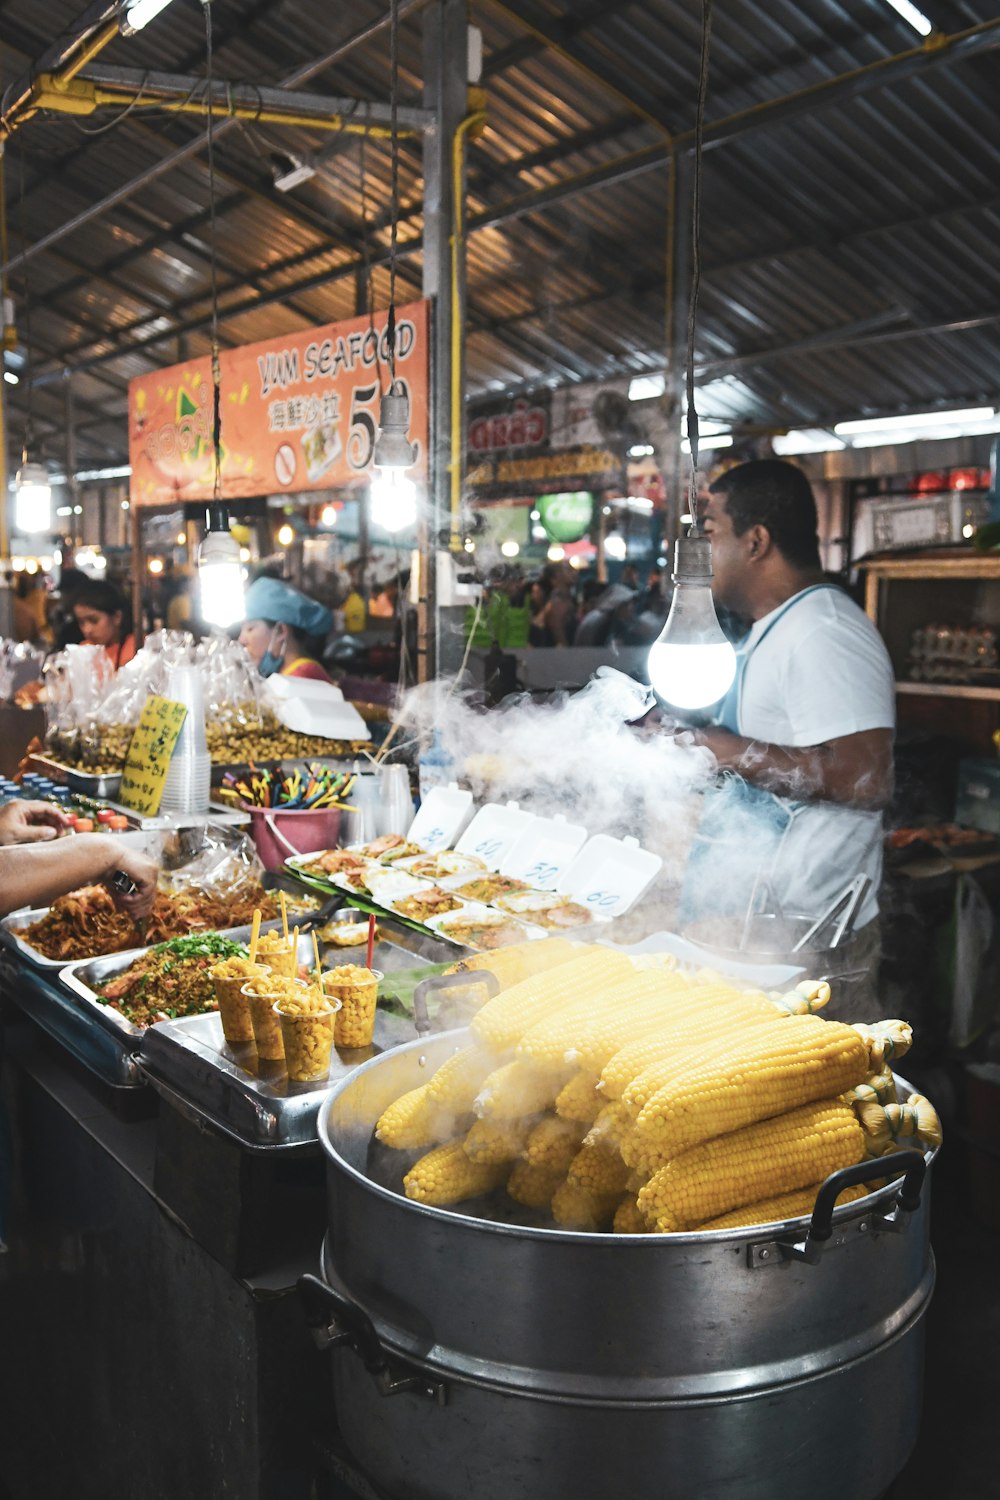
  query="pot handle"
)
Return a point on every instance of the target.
[
  {"x": 335, "y": 1319},
  {"x": 425, "y": 987},
  {"x": 911, "y": 1163}
]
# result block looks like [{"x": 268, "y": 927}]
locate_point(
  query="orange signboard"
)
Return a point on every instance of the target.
[{"x": 298, "y": 412}]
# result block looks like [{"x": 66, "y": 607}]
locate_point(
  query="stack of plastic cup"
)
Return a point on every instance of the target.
[
  {"x": 361, "y": 826},
  {"x": 395, "y": 810},
  {"x": 189, "y": 776}
]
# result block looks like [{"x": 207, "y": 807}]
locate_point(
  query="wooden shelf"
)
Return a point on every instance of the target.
[
  {"x": 967, "y": 565},
  {"x": 949, "y": 690}
]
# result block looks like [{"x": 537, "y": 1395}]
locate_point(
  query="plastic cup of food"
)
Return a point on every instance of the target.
[
  {"x": 357, "y": 990},
  {"x": 262, "y": 993},
  {"x": 278, "y": 954},
  {"x": 229, "y": 978},
  {"x": 308, "y": 1024}
]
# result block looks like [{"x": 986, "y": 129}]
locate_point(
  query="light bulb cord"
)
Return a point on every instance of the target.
[
  {"x": 213, "y": 268},
  {"x": 390, "y": 328},
  {"x": 692, "y": 414}
]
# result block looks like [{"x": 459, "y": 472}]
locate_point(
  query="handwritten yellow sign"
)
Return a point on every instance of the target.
[{"x": 149, "y": 755}]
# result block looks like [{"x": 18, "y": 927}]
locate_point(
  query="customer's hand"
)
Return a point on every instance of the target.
[
  {"x": 142, "y": 871},
  {"x": 31, "y": 822}
]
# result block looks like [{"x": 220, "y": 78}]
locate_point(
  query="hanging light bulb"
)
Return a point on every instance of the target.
[
  {"x": 135, "y": 14},
  {"x": 32, "y": 498},
  {"x": 393, "y": 492},
  {"x": 691, "y": 664},
  {"x": 286, "y": 535},
  {"x": 220, "y": 570}
]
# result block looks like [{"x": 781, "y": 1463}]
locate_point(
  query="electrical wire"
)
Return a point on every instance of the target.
[
  {"x": 692, "y": 414},
  {"x": 29, "y": 432},
  {"x": 390, "y": 330},
  {"x": 213, "y": 270}
]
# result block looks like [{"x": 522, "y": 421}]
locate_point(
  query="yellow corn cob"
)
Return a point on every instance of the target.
[
  {"x": 698, "y": 1044},
  {"x": 535, "y": 1187},
  {"x": 636, "y": 1180},
  {"x": 774, "y": 1156},
  {"x": 600, "y": 1169},
  {"x": 808, "y": 996},
  {"x": 446, "y": 1175},
  {"x": 503, "y": 1020},
  {"x": 661, "y": 962},
  {"x": 517, "y": 1089},
  {"x": 887, "y": 1041},
  {"x": 878, "y": 1088},
  {"x": 628, "y": 1219},
  {"x": 496, "y": 1140},
  {"x": 664, "y": 1049},
  {"x": 785, "y": 1206},
  {"x": 556, "y": 1039},
  {"x": 579, "y": 1099},
  {"x": 574, "y": 1207},
  {"x": 457, "y": 1081},
  {"x": 689, "y": 1007},
  {"x": 773, "y": 1069},
  {"x": 414, "y": 1121},
  {"x": 552, "y": 1144},
  {"x": 610, "y": 1127},
  {"x": 520, "y": 961}
]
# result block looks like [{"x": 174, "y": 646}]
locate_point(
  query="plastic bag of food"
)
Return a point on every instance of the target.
[{"x": 220, "y": 861}]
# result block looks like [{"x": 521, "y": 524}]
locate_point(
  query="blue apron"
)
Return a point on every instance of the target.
[{"x": 741, "y": 828}]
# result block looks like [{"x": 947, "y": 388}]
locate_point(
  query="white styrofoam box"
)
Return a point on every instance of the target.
[
  {"x": 544, "y": 852},
  {"x": 494, "y": 831},
  {"x": 609, "y": 875},
  {"x": 312, "y": 707},
  {"x": 761, "y": 975},
  {"x": 442, "y": 815}
]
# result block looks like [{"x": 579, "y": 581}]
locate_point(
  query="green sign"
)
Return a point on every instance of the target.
[{"x": 566, "y": 517}]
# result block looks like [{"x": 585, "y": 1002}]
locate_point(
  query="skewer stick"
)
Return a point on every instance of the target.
[
  {"x": 254, "y": 936},
  {"x": 383, "y": 749},
  {"x": 371, "y": 939},
  {"x": 319, "y": 980},
  {"x": 284, "y": 914}
]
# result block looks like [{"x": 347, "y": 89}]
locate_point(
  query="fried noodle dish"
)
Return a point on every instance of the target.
[{"x": 87, "y": 924}]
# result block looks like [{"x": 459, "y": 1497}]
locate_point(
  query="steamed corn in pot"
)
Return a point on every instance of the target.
[{"x": 486, "y": 1357}]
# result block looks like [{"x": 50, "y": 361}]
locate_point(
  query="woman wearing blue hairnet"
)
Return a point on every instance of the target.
[{"x": 284, "y": 630}]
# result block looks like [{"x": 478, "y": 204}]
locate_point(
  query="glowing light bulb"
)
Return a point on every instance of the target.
[
  {"x": 182, "y": 539},
  {"x": 510, "y": 548},
  {"x": 691, "y": 664},
  {"x": 155, "y": 565},
  {"x": 556, "y": 553},
  {"x": 220, "y": 572},
  {"x": 615, "y": 547},
  {"x": 286, "y": 535},
  {"x": 328, "y": 515},
  {"x": 393, "y": 499},
  {"x": 32, "y": 498}
]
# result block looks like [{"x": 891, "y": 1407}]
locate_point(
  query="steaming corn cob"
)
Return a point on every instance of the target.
[
  {"x": 745, "y": 1166},
  {"x": 694, "y": 1006},
  {"x": 447, "y": 1175},
  {"x": 785, "y": 1206},
  {"x": 555, "y": 1040},
  {"x": 628, "y": 1219},
  {"x": 517, "y": 1089},
  {"x": 599, "y": 1168},
  {"x": 700, "y": 1046},
  {"x": 503, "y": 1020},
  {"x": 575, "y": 1207},
  {"x": 579, "y": 1099},
  {"x": 552, "y": 1144},
  {"x": 666, "y": 1048},
  {"x": 772, "y": 1069},
  {"x": 533, "y": 1186},
  {"x": 520, "y": 961},
  {"x": 457, "y": 1081},
  {"x": 496, "y": 1140},
  {"x": 413, "y": 1121}
]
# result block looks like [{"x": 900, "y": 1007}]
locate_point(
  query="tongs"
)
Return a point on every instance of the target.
[
  {"x": 843, "y": 909},
  {"x": 123, "y": 883}
]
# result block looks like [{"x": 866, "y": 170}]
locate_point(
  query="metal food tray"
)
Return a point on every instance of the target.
[
  {"x": 11, "y": 926},
  {"x": 107, "y": 784},
  {"x": 46, "y": 1003},
  {"x": 224, "y": 1083}
]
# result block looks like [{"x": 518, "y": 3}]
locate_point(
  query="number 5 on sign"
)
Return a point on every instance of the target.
[{"x": 149, "y": 753}]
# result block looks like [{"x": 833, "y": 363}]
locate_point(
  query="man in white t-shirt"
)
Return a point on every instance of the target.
[{"x": 808, "y": 726}]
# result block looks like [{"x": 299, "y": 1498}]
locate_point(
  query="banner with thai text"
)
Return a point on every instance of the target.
[{"x": 299, "y": 412}]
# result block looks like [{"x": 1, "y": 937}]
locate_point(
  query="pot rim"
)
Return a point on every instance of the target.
[{"x": 772, "y": 1229}]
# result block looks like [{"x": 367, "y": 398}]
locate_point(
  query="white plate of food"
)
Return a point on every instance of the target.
[
  {"x": 483, "y": 927},
  {"x": 546, "y": 908},
  {"x": 484, "y": 886},
  {"x": 427, "y": 902}
]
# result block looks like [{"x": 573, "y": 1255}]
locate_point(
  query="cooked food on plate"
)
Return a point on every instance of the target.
[
  {"x": 335, "y": 862},
  {"x": 476, "y": 932},
  {"x": 489, "y": 887},
  {"x": 429, "y": 903},
  {"x": 389, "y": 848},
  {"x": 546, "y": 909},
  {"x": 87, "y": 924},
  {"x": 947, "y": 835},
  {"x": 433, "y": 866},
  {"x": 172, "y": 979},
  {"x": 345, "y": 934}
]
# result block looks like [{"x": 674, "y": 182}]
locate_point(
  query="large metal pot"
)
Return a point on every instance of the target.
[{"x": 508, "y": 1361}]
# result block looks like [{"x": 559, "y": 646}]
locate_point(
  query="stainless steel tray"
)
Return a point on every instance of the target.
[
  {"x": 46, "y": 1003},
  {"x": 108, "y": 784},
  {"x": 225, "y": 1083}
]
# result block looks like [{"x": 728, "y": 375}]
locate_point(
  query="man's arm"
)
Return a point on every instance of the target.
[
  {"x": 855, "y": 770},
  {"x": 35, "y": 874}
]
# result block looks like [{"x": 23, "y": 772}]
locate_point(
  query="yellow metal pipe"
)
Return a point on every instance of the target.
[
  {"x": 475, "y": 120},
  {"x": 89, "y": 51}
]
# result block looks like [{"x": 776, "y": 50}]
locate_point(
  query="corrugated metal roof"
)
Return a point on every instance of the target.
[{"x": 839, "y": 246}]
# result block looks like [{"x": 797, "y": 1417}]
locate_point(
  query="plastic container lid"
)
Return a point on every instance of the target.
[
  {"x": 544, "y": 851},
  {"x": 442, "y": 815},
  {"x": 494, "y": 831},
  {"x": 609, "y": 875}
]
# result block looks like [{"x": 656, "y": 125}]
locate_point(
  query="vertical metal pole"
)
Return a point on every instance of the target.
[
  {"x": 6, "y": 592},
  {"x": 72, "y": 486},
  {"x": 672, "y": 460},
  {"x": 135, "y": 521},
  {"x": 445, "y": 92}
]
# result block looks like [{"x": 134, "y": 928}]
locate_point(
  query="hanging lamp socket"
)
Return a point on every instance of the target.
[
  {"x": 692, "y": 560},
  {"x": 393, "y": 449}
]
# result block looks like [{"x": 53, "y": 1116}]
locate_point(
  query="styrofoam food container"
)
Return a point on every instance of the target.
[
  {"x": 494, "y": 831},
  {"x": 610, "y": 875},
  {"x": 441, "y": 817},
  {"x": 544, "y": 851}
]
